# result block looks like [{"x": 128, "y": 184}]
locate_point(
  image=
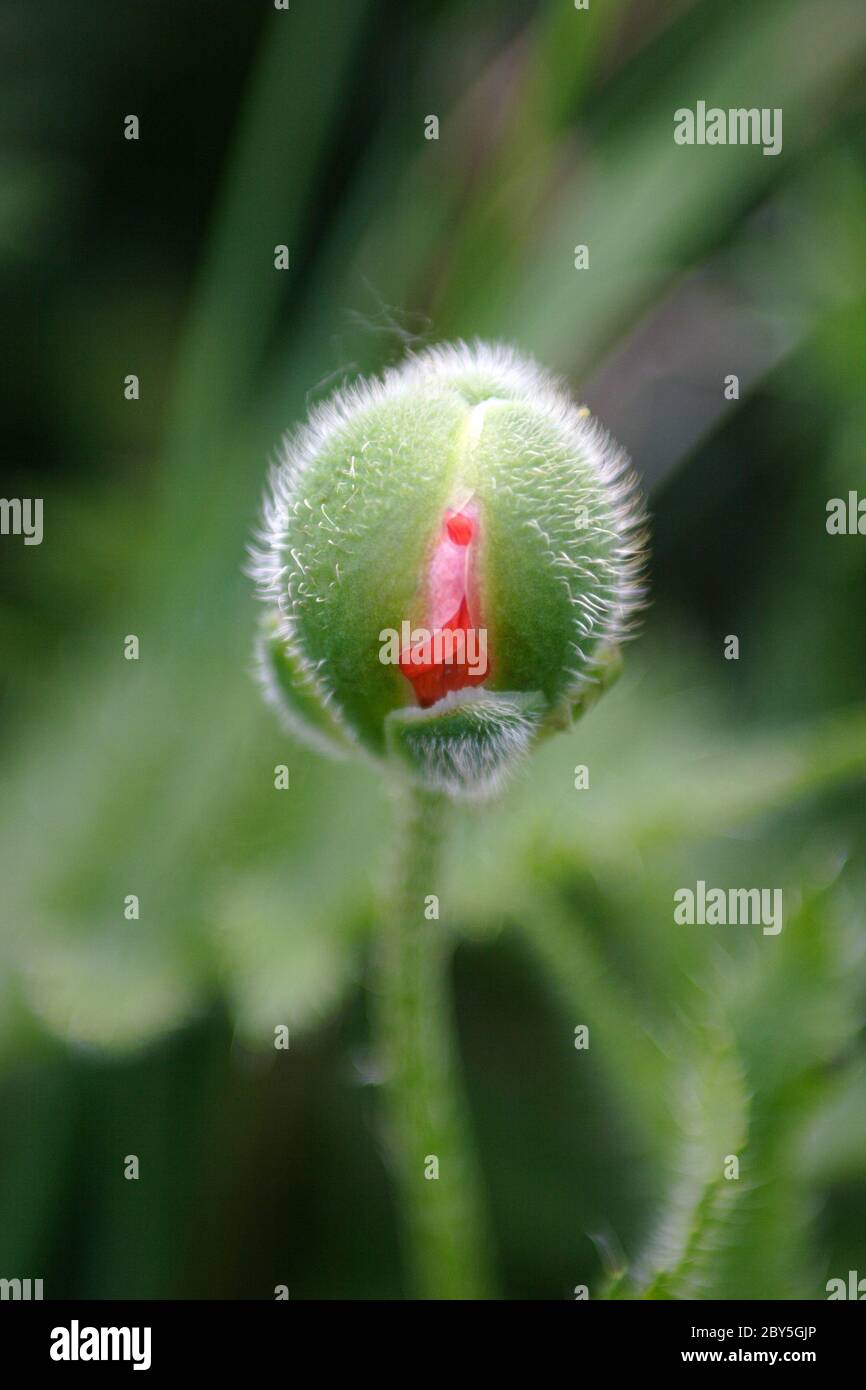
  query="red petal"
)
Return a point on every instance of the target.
[
  {"x": 460, "y": 528},
  {"x": 435, "y": 673}
]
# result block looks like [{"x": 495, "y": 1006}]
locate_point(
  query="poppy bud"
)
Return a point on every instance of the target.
[{"x": 450, "y": 556}]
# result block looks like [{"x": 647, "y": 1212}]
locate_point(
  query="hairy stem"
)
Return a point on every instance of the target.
[{"x": 433, "y": 1163}]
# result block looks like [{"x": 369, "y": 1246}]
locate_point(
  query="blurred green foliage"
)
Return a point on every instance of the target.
[{"x": 155, "y": 777}]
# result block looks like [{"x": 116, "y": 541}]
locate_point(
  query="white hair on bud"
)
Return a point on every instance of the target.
[
  {"x": 604, "y": 581},
  {"x": 475, "y": 764},
  {"x": 337, "y": 744}
]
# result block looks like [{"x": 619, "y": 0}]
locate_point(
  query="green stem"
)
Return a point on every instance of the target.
[{"x": 433, "y": 1163}]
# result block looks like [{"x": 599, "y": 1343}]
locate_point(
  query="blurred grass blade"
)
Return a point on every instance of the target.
[{"x": 267, "y": 197}]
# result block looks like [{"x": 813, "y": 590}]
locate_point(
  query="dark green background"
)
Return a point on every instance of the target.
[{"x": 156, "y": 777}]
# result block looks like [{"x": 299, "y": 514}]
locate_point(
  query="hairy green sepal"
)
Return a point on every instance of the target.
[{"x": 466, "y": 743}]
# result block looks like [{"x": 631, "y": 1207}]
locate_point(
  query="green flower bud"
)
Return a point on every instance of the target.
[{"x": 450, "y": 556}]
